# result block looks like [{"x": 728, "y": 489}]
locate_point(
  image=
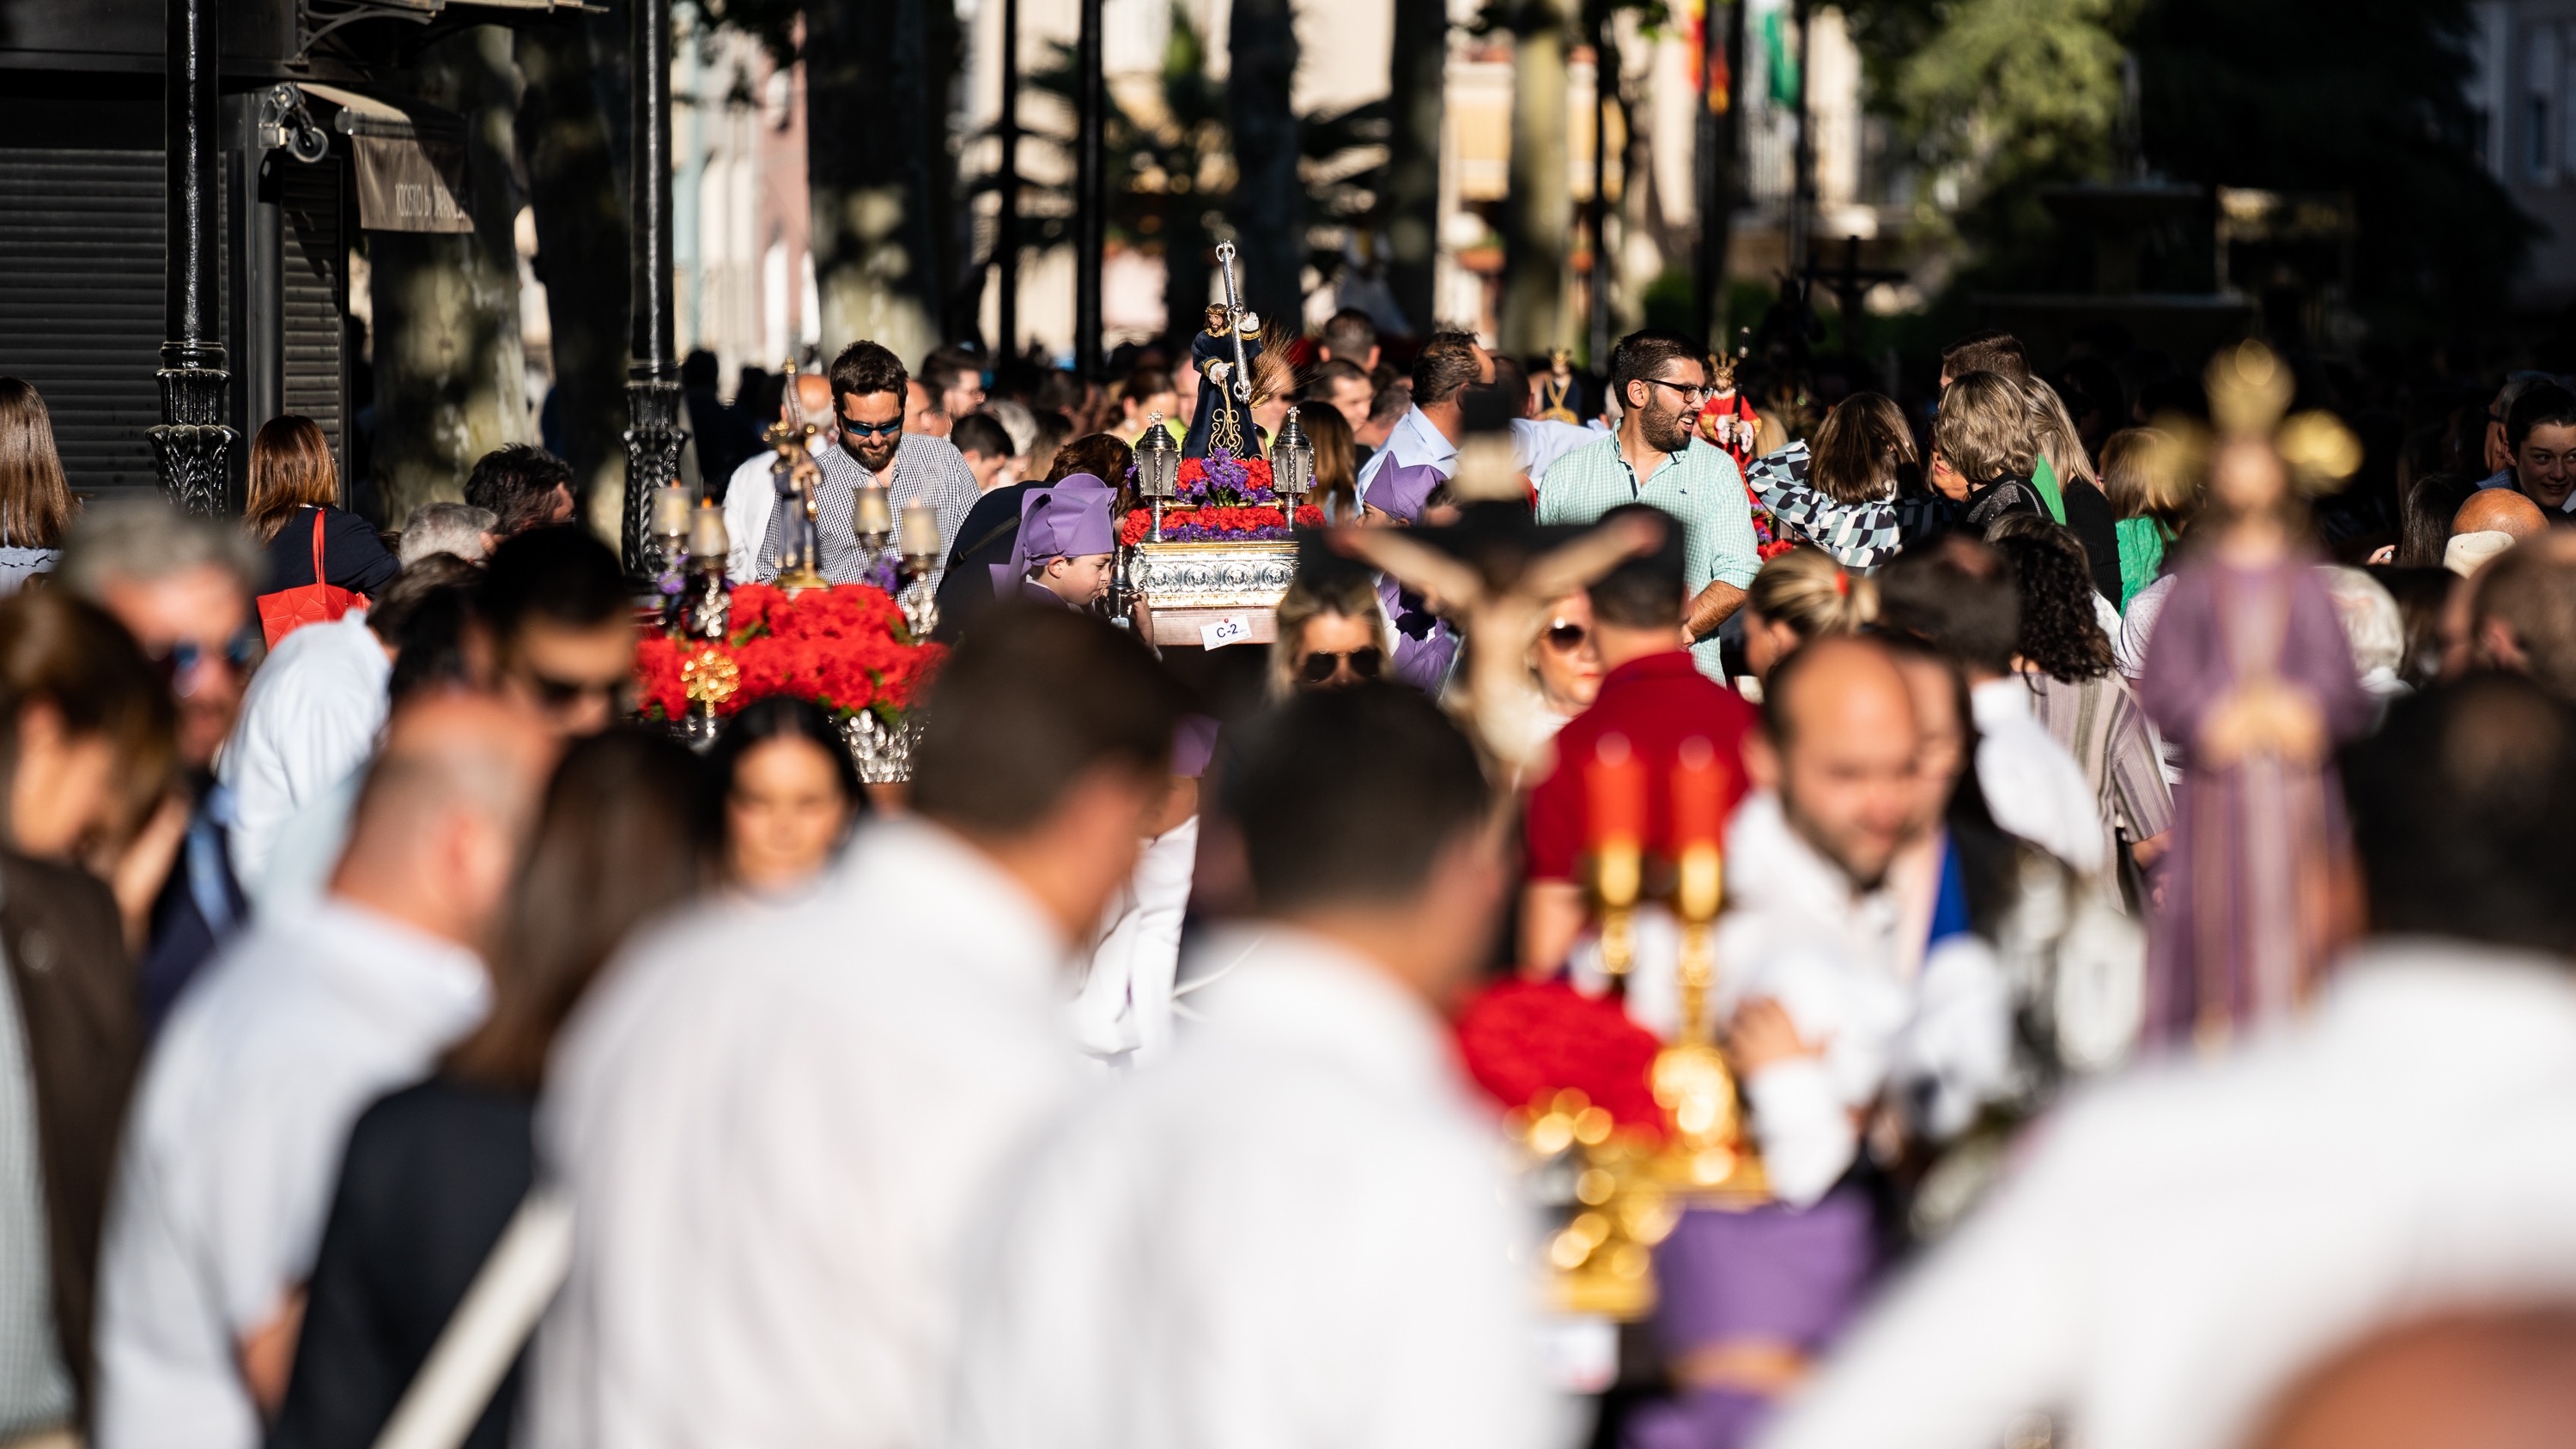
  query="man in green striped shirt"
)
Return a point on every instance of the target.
[{"x": 1657, "y": 457}]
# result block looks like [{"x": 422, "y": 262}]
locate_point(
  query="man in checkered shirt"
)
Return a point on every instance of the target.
[
  {"x": 868, "y": 390},
  {"x": 1657, "y": 457}
]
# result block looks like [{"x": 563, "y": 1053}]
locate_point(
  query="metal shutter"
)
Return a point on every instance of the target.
[
  {"x": 81, "y": 275},
  {"x": 313, "y": 284}
]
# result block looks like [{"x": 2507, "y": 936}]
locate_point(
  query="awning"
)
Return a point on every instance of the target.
[{"x": 411, "y": 162}]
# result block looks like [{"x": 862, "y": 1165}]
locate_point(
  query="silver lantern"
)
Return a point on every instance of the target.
[
  {"x": 1158, "y": 470},
  {"x": 1292, "y": 463}
]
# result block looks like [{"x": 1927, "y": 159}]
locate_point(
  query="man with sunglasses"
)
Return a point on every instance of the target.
[
  {"x": 1658, "y": 458},
  {"x": 870, "y": 388},
  {"x": 182, "y": 587}
]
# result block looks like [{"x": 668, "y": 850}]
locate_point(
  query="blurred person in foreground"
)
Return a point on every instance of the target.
[
  {"x": 2519, "y": 614},
  {"x": 182, "y": 587},
  {"x": 311, "y": 715},
  {"x": 1829, "y": 1016},
  {"x": 35, "y": 501},
  {"x": 84, "y": 740},
  {"x": 1294, "y": 1231},
  {"x": 2495, "y": 1378},
  {"x": 246, "y": 1102},
  {"x": 1801, "y": 595},
  {"x": 2179, "y": 1245},
  {"x": 433, "y": 1172},
  {"x": 791, "y": 794},
  {"x": 1652, "y": 698},
  {"x": 524, "y": 487},
  {"x": 557, "y": 629},
  {"x": 773, "y": 1120}
]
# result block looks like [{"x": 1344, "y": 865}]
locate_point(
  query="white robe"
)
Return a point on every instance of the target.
[
  {"x": 773, "y": 1120},
  {"x": 1292, "y": 1235},
  {"x": 1123, "y": 1013}
]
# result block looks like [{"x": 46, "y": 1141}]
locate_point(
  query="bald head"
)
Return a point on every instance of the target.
[
  {"x": 438, "y": 825},
  {"x": 2499, "y": 510},
  {"x": 2505, "y": 1380},
  {"x": 1839, "y": 747}
]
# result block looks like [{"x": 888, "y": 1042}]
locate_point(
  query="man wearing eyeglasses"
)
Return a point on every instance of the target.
[
  {"x": 182, "y": 587},
  {"x": 1657, "y": 457},
  {"x": 869, "y": 388}
]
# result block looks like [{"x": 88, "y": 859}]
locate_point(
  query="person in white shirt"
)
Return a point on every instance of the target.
[
  {"x": 312, "y": 712},
  {"x": 750, "y": 494},
  {"x": 2178, "y": 1248},
  {"x": 234, "y": 1140},
  {"x": 1123, "y": 1013},
  {"x": 1429, "y": 432},
  {"x": 773, "y": 1120},
  {"x": 1294, "y": 1232},
  {"x": 1959, "y": 595}
]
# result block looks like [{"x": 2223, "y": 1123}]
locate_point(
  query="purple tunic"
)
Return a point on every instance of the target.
[
  {"x": 1424, "y": 645},
  {"x": 2241, "y": 935}
]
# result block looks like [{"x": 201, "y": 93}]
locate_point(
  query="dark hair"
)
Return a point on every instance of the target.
[
  {"x": 562, "y": 575},
  {"x": 1324, "y": 824},
  {"x": 981, "y": 433},
  {"x": 1104, "y": 456},
  {"x": 35, "y": 501},
  {"x": 1510, "y": 388},
  {"x": 2421, "y": 594},
  {"x": 1319, "y": 383},
  {"x": 290, "y": 470},
  {"x": 1391, "y": 400},
  {"x": 1446, "y": 364},
  {"x": 1031, "y": 699},
  {"x": 517, "y": 484},
  {"x": 1858, "y": 449},
  {"x": 1643, "y": 353},
  {"x": 1987, "y": 351},
  {"x": 628, "y": 831},
  {"x": 700, "y": 370},
  {"x": 784, "y": 716},
  {"x": 1143, "y": 383},
  {"x": 1350, "y": 334},
  {"x": 74, "y": 656},
  {"x": 430, "y": 642},
  {"x": 2542, "y": 405},
  {"x": 2058, "y": 633},
  {"x": 865, "y": 368},
  {"x": 2425, "y": 523},
  {"x": 2463, "y": 812},
  {"x": 944, "y": 366},
  {"x": 1336, "y": 453},
  {"x": 1960, "y": 595},
  {"x": 1645, "y": 590},
  {"x": 391, "y": 610}
]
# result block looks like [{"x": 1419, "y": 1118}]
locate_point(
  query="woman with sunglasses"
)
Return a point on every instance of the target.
[{"x": 1332, "y": 635}]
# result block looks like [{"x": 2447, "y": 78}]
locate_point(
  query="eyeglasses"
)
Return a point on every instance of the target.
[
  {"x": 557, "y": 695},
  {"x": 182, "y": 658},
  {"x": 1322, "y": 665},
  {"x": 1565, "y": 638},
  {"x": 1695, "y": 394},
  {"x": 871, "y": 430}
]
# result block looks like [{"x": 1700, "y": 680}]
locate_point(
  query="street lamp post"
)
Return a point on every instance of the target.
[
  {"x": 653, "y": 435},
  {"x": 1091, "y": 202},
  {"x": 192, "y": 444}
]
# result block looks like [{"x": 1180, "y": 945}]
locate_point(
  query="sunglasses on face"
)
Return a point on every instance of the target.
[
  {"x": 871, "y": 430},
  {"x": 1365, "y": 663},
  {"x": 1566, "y": 638},
  {"x": 558, "y": 695},
  {"x": 182, "y": 658}
]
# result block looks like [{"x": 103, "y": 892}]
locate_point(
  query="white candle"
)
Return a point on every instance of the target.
[
  {"x": 671, "y": 511},
  {"x": 872, "y": 513},
  {"x": 707, "y": 536},
  {"x": 920, "y": 529}
]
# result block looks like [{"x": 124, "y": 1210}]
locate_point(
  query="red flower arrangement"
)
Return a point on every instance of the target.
[
  {"x": 846, "y": 648},
  {"x": 1522, "y": 1040},
  {"x": 1214, "y": 524}
]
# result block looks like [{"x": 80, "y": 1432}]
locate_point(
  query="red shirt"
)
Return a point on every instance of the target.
[{"x": 1657, "y": 702}]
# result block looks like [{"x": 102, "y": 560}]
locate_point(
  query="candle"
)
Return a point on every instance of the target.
[
  {"x": 707, "y": 535},
  {"x": 920, "y": 535},
  {"x": 873, "y": 513},
  {"x": 1615, "y": 784},
  {"x": 671, "y": 511},
  {"x": 1699, "y": 796}
]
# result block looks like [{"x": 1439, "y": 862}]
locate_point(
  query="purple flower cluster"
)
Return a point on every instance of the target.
[
  {"x": 1194, "y": 533},
  {"x": 1222, "y": 482}
]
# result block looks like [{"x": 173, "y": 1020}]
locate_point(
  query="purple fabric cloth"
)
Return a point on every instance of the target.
[
  {"x": 1193, "y": 745},
  {"x": 1424, "y": 646},
  {"x": 1068, "y": 518},
  {"x": 1700, "y": 1419},
  {"x": 1401, "y": 492},
  {"x": 1783, "y": 1274},
  {"x": 2242, "y": 931}
]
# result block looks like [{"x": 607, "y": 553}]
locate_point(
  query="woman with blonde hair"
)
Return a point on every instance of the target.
[
  {"x": 2150, "y": 498},
  {"x": 1800, "y": 596},
  {"x": 1332, "y": 634},
  {"x": 2065, "y": 478},
  {"x": 35, "y": 502},
  {"x": 1840, "y": 492},
  {"x": 312, "y": 544}
]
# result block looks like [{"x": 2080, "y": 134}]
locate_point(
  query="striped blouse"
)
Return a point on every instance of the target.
[{"x": 2101, "y": 725}]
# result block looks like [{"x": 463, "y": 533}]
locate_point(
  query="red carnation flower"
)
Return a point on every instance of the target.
[{"x": 1524, "y": 1039}]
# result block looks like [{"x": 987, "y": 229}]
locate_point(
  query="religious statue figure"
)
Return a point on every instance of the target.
[{"x": 2249, "y": 669}]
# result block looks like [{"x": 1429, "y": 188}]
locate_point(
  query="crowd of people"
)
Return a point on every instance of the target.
[{"x": 2143, "y": 964}]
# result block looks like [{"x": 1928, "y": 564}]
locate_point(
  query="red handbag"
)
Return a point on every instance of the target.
[{"x": 287, "y": 610}]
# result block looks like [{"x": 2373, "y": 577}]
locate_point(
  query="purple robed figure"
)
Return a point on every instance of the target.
[
  {"x": 1425, "y": 647},
  {"x": 2241, "y": 933}
]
